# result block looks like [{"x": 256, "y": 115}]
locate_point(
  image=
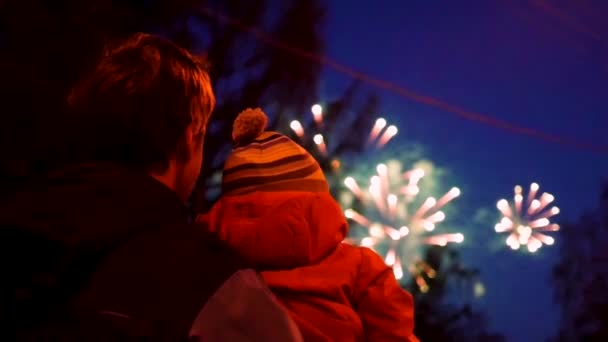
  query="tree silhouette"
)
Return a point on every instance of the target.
[
  {"x": 247, "y": 73},
  {"x": 47, "y": 46},
  {"x": 437, "y": 319},
  {"x": 347, "y": 122},
  {"x": 581, "y": 276}
]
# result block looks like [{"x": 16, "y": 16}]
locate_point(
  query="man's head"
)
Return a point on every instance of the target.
[{"x": 146, "y": 105}]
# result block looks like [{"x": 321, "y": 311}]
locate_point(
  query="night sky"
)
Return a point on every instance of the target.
[{"x": 526, "y": 62}]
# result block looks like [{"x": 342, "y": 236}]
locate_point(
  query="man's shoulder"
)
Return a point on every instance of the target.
[
  {"x": 161, "y": 274},
  {"x": 178, "y": 248},
  {"x": 193, "y": 236}
]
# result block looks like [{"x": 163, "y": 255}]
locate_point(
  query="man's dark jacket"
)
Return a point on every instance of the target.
[{"x": 101, "y": 252}]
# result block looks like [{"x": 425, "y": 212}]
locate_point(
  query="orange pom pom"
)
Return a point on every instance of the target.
[{"x": 249, "y": 124}]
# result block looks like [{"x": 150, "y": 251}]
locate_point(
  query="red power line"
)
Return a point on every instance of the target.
[{"x": 404, "y": 92}]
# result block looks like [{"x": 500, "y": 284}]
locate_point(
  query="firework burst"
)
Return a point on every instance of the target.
[
  {"x": 380, "y": 134},
  {"x": 527, "y": 220},
  {"x": 398, "y": 223}
]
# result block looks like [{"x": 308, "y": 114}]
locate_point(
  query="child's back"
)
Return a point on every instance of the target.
[{"x": 278, "y": 213}]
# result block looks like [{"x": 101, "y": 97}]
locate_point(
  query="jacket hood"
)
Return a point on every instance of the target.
[{"x": 279, "y": 229}]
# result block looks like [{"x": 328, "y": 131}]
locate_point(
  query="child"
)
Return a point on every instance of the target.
[{"x": 277, "y": 212}]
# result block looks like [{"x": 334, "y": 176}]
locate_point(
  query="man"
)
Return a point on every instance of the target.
[{"x": 103, "y": 249}]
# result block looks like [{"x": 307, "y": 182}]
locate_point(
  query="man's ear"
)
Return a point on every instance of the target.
[
  {"x": 189, "y": 137},
  {"x": 195, "y": 136},
  {"x": 186, "y": 145},
  {"x": 190, "y": 143}
]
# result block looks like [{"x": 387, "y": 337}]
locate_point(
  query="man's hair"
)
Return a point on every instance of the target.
[{"x": 135, "y": 107}]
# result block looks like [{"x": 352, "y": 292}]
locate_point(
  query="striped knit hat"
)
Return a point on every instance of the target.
[{"x": 267, "y": 161}]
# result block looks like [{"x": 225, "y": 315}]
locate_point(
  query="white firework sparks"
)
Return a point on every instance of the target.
[
  {"x": 527, "y": 220},
  {"x": 395, "y": 229},
  {"x": 379, "y": 135}
]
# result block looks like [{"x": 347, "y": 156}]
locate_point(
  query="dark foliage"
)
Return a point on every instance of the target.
[
  {"x": 581, "y": 276},
  {"x": 46, "y": 46},
  {"x": 441, "y": 319}
]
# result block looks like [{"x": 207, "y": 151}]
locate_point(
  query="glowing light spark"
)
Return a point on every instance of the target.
[
  {"x": 527, "y": 226},
  {"x": 380, "y": 134},
  {"x": 355, "y": 216},
  {"x": 297, "y": 128},
  {"x": 352, "y": 185},
  {"x": 419, "y": 269},
  {"x": 450, "y": 195},
  {"x": 378, "y": 127},
  {"x": 335, "y": 164},
  {"x": 398, "y": 270},
  {"x": 317, "y": 112},
  {"x": 390, "y": 132},
  {"x": 479, "y": 289},
  {"x": 389, "y": 209},
  {"x": 323, "y": 141},
  {"x": 320, "y": 141}
]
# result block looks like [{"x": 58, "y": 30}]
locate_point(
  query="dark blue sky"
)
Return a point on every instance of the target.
[{"x": 520, "y": 61}]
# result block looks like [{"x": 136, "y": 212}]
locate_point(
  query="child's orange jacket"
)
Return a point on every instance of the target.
[{"x": 334, "y": 291}]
